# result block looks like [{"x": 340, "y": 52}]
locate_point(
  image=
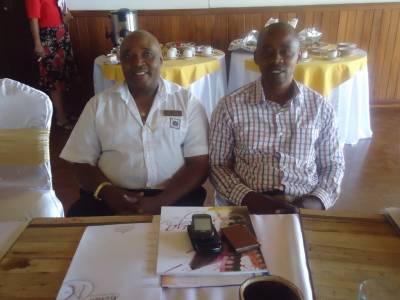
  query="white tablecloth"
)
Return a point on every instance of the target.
[
  {"x": 209, "y": 89},
  {"x": 350, "y": 99}
]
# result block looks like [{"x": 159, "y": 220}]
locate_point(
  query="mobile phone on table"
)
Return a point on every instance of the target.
[{"x": 203, "y": 235}]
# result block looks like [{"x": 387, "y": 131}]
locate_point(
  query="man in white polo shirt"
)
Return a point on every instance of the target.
[{"x": 141, "y": 144}]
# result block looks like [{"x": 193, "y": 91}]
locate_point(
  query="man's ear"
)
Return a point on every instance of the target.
[{"x": 256, "y": 56}]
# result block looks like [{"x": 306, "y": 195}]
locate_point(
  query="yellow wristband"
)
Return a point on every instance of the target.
[{"x": 99, "y": 188}]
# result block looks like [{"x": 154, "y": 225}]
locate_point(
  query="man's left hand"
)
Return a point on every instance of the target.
[
  {"x": 309, "y": 202},
  {"x": 147, "y": 205}
]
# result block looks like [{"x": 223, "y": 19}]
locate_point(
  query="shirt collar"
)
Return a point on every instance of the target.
[
  {"x": 298, "y": 93},
  {"x": 260, "y": 96},
  {"x": 259, "y": 93},
  {"x": 126, "y": 96}
]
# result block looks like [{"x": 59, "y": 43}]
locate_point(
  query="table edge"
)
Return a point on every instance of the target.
[{"x": 86, "y": 221}]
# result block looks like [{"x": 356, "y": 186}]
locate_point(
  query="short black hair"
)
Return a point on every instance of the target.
[{"x": 276, "y": 27}]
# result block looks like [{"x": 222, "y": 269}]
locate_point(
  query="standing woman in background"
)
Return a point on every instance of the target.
[{"x": 52, "y": 46}]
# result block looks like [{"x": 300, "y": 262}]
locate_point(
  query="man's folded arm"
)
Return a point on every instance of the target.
[
  {"x": 83, "y": 150},
  {"x": 195, "y": 151},
  {"x": 228, "y": 184},
  {"x": 221, "y": 143},
  {"x": 329, "y": 159}
]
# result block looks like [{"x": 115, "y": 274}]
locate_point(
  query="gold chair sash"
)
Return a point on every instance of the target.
[{"x": 25, "y": 146}]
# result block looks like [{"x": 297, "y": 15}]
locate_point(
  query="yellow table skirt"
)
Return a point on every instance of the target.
[
  {"x": 320, "y": 74},
  {"x": 181, "y": 71}
]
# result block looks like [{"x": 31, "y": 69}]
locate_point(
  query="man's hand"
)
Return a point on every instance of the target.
[
  {"x": 119, "y": 201},
  {"x": 39, "y": 50},
  {"x": 261, "y": 204},
  {"x": 146, "y": 205},
  {"x": 309, "y": 202}
]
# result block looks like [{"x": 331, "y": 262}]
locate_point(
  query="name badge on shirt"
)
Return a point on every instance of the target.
[
  {"x": 172, "y": 113},
  {"x": 175, "y": 123}
]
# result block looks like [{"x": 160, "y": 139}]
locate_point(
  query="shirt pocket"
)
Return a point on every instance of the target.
[
  {"x": 253, "y": 137},
  {"x": 173, "y": 128}
]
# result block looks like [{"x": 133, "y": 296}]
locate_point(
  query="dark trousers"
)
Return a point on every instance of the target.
[{"x": 88, "y": 206}]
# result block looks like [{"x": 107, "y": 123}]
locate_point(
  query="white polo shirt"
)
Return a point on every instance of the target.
[{"x": 111, "y": 135}]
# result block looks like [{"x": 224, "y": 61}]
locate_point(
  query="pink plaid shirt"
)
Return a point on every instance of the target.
[{"x": 259, "y": 145}]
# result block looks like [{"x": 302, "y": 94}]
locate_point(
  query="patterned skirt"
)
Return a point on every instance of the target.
[{"x": 57, "y": 64}]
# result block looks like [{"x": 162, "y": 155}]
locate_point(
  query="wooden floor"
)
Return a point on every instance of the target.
[{"x": 372, "y": 176}]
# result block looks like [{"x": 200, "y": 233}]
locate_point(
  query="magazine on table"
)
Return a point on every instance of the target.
[{"x": 177, "y": 258}]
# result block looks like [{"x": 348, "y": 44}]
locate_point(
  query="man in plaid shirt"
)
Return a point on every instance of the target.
[{"x": 274, "y": 145}]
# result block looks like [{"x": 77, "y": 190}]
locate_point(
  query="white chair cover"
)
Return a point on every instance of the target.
[{"x": 26, "y": 191}]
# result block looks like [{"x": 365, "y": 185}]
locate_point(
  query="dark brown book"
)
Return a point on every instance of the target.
[{"x": 240, "y": 238}]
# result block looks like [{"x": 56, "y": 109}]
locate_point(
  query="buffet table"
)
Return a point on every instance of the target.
[
  {"x": 343, "y": 81},
  {"x": 204, "y": 77},
  {"x": 343, "y": 250}
]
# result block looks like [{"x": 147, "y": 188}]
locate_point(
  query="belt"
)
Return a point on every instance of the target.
[
  {"x": 147, "y": 192},
  {"x": 278, "y": 194},
  {"x": 274, "y": 192}
]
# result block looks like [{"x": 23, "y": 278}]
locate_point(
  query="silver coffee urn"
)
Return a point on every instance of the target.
[{"x": 123, "y": 21}]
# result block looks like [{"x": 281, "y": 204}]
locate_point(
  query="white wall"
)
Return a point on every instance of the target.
[
  {"x": 176, "y": 4},
  {"x": 135, "y": 4},
  {"x": 252, "y": 3}
]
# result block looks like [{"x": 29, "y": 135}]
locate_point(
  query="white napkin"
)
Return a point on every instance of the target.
[
  {"x": 114, "y": 262},
  {"x": 393, "y": 216},
  {"x": 9, "y": 232}
]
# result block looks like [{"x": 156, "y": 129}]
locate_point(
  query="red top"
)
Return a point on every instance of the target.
[{"x": 46, "y": 11}]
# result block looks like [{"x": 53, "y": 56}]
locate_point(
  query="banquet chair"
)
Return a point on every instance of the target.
[{"x": 26, "y": 189}]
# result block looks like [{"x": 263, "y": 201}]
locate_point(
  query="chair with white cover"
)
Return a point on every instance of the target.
[{"x": 26, "y": 189}]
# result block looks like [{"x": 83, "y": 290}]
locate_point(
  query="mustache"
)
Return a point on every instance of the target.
[{"x": 278, "y": 68}]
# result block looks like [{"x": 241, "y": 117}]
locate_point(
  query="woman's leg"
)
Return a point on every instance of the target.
[{"x": 57, "y": 99}]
